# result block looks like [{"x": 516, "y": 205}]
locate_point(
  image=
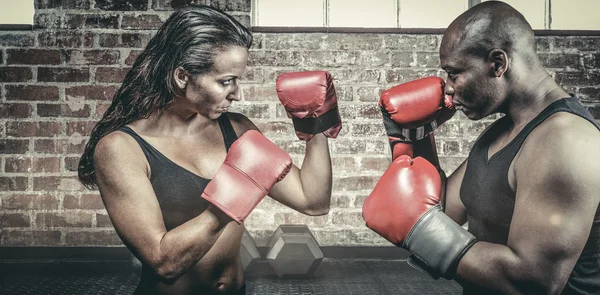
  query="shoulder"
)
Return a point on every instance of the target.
[
  {"x": 564, "y": 144},
  {"x": 116, "y": 149},
  {"x": 240, "y": 122}
]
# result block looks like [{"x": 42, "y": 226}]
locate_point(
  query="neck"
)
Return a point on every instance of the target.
[
  {"x": 524, "y": 105},
  {"x": 174, "y": 121}
]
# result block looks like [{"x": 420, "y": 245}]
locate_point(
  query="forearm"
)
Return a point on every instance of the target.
[
  {"x": 499, "y": 268},
  {"x": 182, "y": 247},
  {"x": 316, "y": 175}
]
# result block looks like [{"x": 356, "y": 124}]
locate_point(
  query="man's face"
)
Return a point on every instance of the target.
[{"x": 470, "y": 82}]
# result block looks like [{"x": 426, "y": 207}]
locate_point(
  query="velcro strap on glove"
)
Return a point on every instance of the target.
[
  {"x": 438, "y": 242},
  {"x": 406, "y": 135},
  {"x": 312, "y": 125}
]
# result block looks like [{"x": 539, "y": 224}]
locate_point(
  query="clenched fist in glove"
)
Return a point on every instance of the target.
[
  {"x": 404, "y": 208},
  {"x": 411, "y": 112},
  {"x": 310, "y": 100},
  {"x": 251, "y": 168}
]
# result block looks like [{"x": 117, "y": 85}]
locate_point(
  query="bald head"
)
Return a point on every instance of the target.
[{"x": 487, "y": 26}]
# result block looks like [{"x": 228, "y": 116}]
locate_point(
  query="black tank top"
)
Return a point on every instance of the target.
[
  {"x": 177, "y": 189},
  {"x": 490, "y": 201}
]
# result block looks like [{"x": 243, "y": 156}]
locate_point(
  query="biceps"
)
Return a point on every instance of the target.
[
  {"x": 133, "y": 209},
  {"x": 548, "y": 233},
  {"x": 454, "y": 207},
  {"x": 289, "y": 191}
]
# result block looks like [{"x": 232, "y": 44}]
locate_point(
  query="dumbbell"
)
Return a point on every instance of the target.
[
  {"x": 248, "y": 253},
  {"x": 294, "y": 251}
]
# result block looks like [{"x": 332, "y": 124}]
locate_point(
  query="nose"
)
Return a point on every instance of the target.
[
  {"x": 448, "y": 89},
  {"x": 235, "y": 94}
]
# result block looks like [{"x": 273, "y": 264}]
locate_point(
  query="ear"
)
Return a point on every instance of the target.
[
  {"x": 499, "y": 61},
  {"x": 180, "y": 77}
]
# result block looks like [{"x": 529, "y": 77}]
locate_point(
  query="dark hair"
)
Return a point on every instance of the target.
[{"x": 190, "y": 38}]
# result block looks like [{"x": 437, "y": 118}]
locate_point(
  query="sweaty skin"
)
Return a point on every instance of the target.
[
  {"x": 195, "y": 252},
  {"x": 489, "y": 55}
]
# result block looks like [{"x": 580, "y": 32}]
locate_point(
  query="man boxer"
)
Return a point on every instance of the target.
[
  {"x": 529, "y": 188},
  {"x": 178, "y": 173}
]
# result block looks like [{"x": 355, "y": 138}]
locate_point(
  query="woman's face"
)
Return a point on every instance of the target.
[{"x": 211, "y": 94}]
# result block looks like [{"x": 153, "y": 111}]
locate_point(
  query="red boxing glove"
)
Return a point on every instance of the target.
[
  {"x": 404, "y": 208},
  {"x": 310, "y": 100},
  {"x": 251, "y": 168},
  {"x": 411, "y": 112}
]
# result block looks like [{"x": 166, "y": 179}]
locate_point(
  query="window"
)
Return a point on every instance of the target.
[
  {"x": 357, "y": 13},
  {"x": 436, "y": 14},
  {"x": 16, "y": 14}
]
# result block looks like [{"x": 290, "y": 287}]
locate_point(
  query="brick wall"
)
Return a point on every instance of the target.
[{"x": 56, "y": 80}]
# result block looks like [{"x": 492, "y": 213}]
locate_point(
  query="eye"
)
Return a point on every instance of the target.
[
  {"x": 452, "y": 75},
  {"x": 226, "y": 82}
]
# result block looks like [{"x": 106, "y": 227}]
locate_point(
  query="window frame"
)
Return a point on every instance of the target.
[
  {"x": 18, "y": 27},
  {"x": 396, "y": 30}
]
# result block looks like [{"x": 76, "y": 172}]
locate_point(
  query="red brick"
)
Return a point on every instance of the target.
[
  {"x": 375, "y": 164},
  {"x": 344, "y": 164},
  {"x": 102, "y": 220},
  {"x": 84, "y": 201},
  {"x": 64, "y": 4},
  {"x": 368, "y": 129},
  {"x": 111, "y": 75},
  {"x": 109, "y": 40},
  {"x": 47, "y": 20},
  {"x": 15, "y": 110},
  {"x": 64, "y": 219},
  {"x": 354, "y": 183},
  {"x": 65, "y": 39},
  {"x": 72, "y": 110},
  {"x": 33, "y": 165},
  {"x": 133, "y": 55},
  {"x": 369, "y": 94},
  {"x": 16, "y": 40},
  {"x": 15, "y": 74},
  {"x": 30, "y": 238},
  {"x": 60, "y": 146},
  {"x": 141, "y": 22},
  {"x": 98, "y": 21},
  {"x": 100, "y": 110},
  {"x": 121, "y": 5},
  {"x": 347, "y": 219},
  {"x": 83, "y": 128},
  {"x": 230, "y": 5},
  {"x": 14, "y": 146},
  {"x": 71, "y": 163},
  {"x": 134, "y": 40},
  {"x": 93, "y": 57},
  {"x": 29, "y": 202},
  {"x": 590, "y": 93},
  {"x": 90, "y": 92},
  {"x": 260, "y": 93},
  {"x": 30, "y": 129},
  {"x": 56, "y": 183},
  {"x": 16, "y": 183},
  {"x": 14, "y": 220},
  {"x": 299, "y": 218},
  {"x": 93, "y": 238},
  {"x": 33, "y": 56},
  {"x": 63, "y": 74},
  {"x": 31, "y": 92},
  {"x": 276, "y": 128}
]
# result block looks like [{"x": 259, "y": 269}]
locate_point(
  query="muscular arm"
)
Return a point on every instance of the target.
[
  {"x": 122, "y": 178},
  {"x": 556, "y": 200},
  {"x": 453, "y": 206},
  {"x": 306, "y": 189}
]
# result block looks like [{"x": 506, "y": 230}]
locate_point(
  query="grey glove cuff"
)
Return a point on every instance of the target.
[{"x": 438, "y": 242}]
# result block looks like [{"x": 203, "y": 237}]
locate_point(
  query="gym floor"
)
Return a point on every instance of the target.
[{"x": 333, "y": 276}]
